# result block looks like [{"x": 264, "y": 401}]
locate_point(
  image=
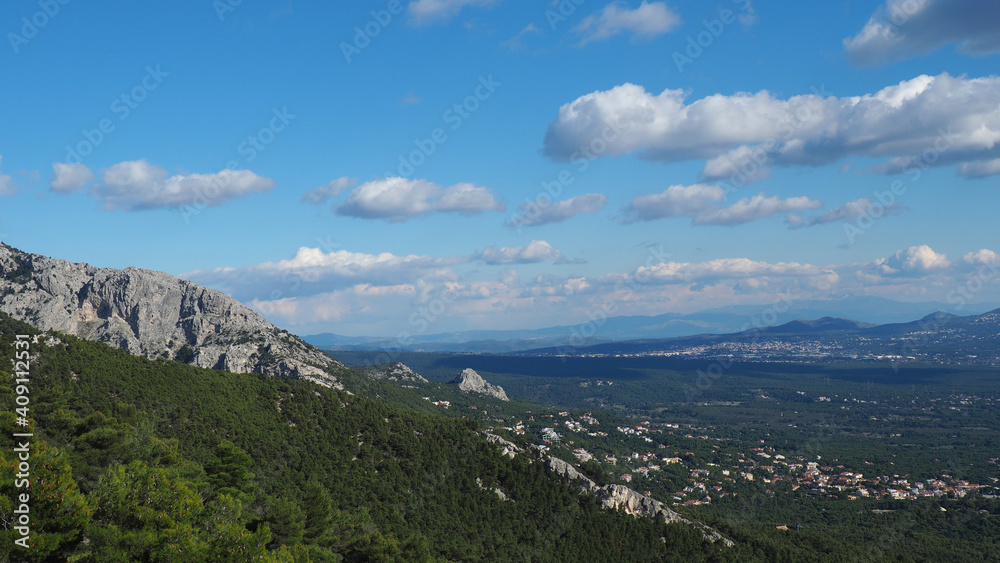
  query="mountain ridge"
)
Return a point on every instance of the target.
[
  {"x": 939, "y": 336},
  {"x": 155, "y": 315}
]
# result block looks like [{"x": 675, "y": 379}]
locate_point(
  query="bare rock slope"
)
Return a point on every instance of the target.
[
  {"x": 471, "y": 382},
  {"x": 612, "y": 497},
  {"x": 617, "y": 497},
  {"x": 154, "y": 314},
  {"x": 396, "y": 372}
]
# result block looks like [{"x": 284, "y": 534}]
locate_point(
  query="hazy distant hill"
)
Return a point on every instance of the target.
[
  {"x": 939, "y": 337},
  {"x": 826, "y": 324},
  {"x": 868, "y": 310}
]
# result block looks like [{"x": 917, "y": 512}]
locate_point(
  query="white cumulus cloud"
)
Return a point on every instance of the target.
[
  {"x": 927, "y": 121},
  {"x": 68, "y": 178},
  {"x": 901, "y": 29},
  {"x": 753, "y": 208},
  {"x": 979, "y": 168},
  {"x": 137, "y": 184},
  {"x": 538, "y": 213},
  {"x": 467, "y": 199},
  {"x": 424, "y": 12},
  {"x": 915, "y": 260},
  {"x": 850, "y": 211},
  {"x": 334, "y": 188},
  {"x": 648, "y": 20},
  {"x": 401, "y": 199},
  {"x": 7, "y": 186},
  {"x": 701, "y": 203},
  {"x": 311, "y": 270},
  {"x": 984, "y": 257},
  {"x": 534, "y": 252},
  {"x": 675, "y": 201}
]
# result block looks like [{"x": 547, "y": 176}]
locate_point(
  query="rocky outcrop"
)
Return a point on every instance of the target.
[
  {"x": 508, "y": 448},
  {"x": 154, "y": 314},
  {"x": 501, "y": 494},
  {"x": 471, "y": 382},
  {"x": 617, "y": 497},
  {"x": 397, "y": 372},
  {"x": 612, "y": 497}
]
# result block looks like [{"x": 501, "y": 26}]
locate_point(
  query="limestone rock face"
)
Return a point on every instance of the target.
[
  {"x": 471, "y": 382},
  {"x": 507, "y": 447},
  {"x": 612, "y": 497},
  {"x": 619, "y": 496},
  {"x": 154, "y": 314},
  {"x": 397, "y": 372}
]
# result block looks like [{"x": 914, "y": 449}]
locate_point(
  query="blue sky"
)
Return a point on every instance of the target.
[{"x": 437, "y": 165}]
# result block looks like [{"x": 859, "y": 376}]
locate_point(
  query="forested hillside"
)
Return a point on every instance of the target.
[{"x": 139, "y": 460}]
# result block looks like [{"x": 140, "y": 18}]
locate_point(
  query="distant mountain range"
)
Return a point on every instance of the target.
[
  {"x": 939, "y": 337},
  {"x": 870, "y": 311}
]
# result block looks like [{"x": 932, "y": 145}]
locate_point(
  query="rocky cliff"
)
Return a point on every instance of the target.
[
  {"x": 471, "y": 382},
  {"x": 613, "y": 497},
  {"x": 621, "y": 497},
  {"x": 154, "y": 314}
]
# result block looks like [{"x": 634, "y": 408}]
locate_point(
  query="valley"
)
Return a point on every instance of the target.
[{"x": 763, "y": 450}]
